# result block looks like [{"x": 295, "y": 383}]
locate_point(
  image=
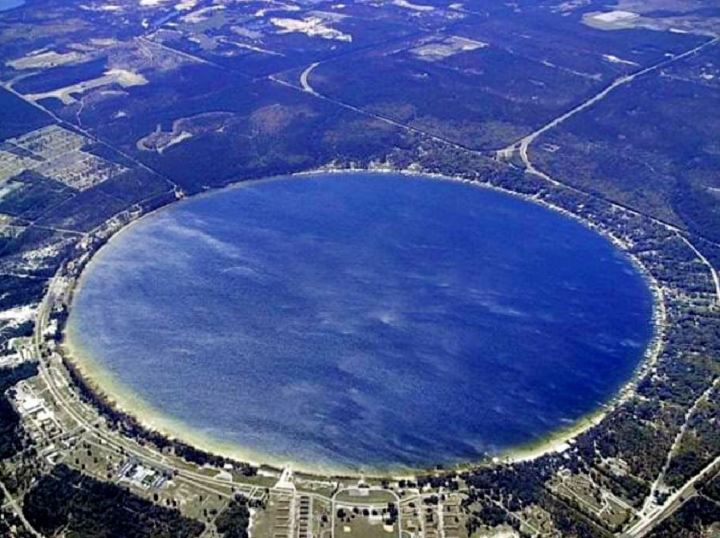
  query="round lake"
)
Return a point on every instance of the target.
[{"x": 360, "y": 321}]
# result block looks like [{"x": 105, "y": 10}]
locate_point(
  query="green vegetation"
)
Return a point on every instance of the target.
[
  {"x": 690, "y": 521},
  {"x": 11, "y": 438},
  {"x": 84, "y": 507},
  {"x": 650, "y": 146},
  {"x": 234, "y": 520}
]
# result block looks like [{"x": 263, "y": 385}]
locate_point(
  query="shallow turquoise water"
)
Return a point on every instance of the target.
[{"x": 365, "y": 321}]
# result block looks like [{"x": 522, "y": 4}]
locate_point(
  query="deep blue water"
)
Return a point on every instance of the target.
[{"x": 365, "y": 321}]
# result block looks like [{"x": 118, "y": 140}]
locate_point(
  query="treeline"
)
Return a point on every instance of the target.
[
  {"x": 11, "y": 525},
  {"x": 700, "y": 444},
  {"x": 691, "y": 521},
  {"x": 641, "y": 431},
  {"x": 497, "y": 493},
  {"x": 11, "y": 438},
  {"x": 233, "y": 522},
  {"x": 82, "y": 506}
]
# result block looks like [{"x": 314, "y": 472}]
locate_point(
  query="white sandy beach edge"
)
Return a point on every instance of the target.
[{"x": 122, "y": 398}]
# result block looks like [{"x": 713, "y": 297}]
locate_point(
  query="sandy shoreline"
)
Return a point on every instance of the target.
[{"x": 105, "y": 384}]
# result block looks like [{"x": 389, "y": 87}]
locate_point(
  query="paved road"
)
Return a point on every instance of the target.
[
  {"x": 204, "y": 482},
  {"x": 650, "y": 517},
  {"x": 334, "y": 502},
  {"x": 649, "y": 504},
  {"x": 18, "y": 511},
  {"x": 648, "y": 522},
  {"x": 522, "y": 147},
  {"x": 525, "y": 142},
  {"x": 108, "y": 438}
]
